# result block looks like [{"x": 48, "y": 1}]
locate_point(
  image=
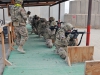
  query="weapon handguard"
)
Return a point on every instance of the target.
[{"x": 76, "y": 33}]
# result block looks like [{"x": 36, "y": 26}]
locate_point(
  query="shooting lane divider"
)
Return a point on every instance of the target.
[{"x": 6, "y": 62}]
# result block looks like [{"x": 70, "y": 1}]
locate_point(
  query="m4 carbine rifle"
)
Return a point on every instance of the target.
[
  {"x": 75, "y": 34},
  {"x": 56, "y": 26}
]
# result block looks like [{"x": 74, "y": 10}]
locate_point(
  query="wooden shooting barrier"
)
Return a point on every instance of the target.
[
  {"x": 92, "y": 67},
  {"x": 10, "y": 38},
  {"x": 78, "y": 54}
]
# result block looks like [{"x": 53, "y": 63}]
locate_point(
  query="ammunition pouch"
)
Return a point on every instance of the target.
[{"x": 16, "y": 24}]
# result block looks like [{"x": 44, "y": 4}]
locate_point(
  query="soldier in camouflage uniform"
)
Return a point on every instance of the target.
[
  {"x": 28, "y": 16},
  {"x": 63, "y": 41},
  {"x": 50, "y": 34},
  {"x": 46, "y": 31},
  {"x": 42, "y": 26},
  {"x": 28, "y": 13},
  {"x": 35, "y": 23},
  {"x": 19, "y": 17}
]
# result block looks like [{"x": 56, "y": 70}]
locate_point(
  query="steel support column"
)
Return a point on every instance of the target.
[
  {"x": 3, "y": 16},
  {"x": 88, "y": 23},
  {"x": 59, "y": 16},
  {"x": 49, "y": 11}
]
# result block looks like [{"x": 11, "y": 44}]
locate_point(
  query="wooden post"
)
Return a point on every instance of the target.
[
  {"x": 12, "y": 34},
  {"x": 6, "y": 62},
  {"x": 9, "y": 37}
]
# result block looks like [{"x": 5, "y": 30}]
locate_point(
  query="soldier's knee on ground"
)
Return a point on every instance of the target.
[
  {"x": 49, "y": 43},
  {"x": 62, "y": 53},
  {"x": 57, "y": 50}
]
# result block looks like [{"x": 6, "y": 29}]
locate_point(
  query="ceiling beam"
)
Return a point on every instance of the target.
[
  {"x": 35, "y": 3},
  {"x": 3, "y": 6},
  {"x": 41, "y": 1},
  {"x": 59, "y": 2}
]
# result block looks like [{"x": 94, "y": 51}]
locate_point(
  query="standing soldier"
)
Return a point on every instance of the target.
[{"x": 19, "y": 17}]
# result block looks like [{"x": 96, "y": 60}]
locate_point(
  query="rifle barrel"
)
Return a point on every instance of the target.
[{"x": 75, "y": 32}]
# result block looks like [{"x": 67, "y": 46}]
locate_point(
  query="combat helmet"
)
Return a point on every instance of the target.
[
  {"x": 28, "y": 13},
  {"x": 43, "y": 20},
  {"x": 18, "y": 1},
  {"x": 51, "y": 19},
  {"x": 68, "y": 27},
  {"x": 36, "y": 17}
]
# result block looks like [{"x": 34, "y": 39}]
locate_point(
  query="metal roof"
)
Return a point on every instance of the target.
[{"x": 27, "y": 3}]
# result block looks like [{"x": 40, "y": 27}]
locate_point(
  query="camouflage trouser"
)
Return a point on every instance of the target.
[
  {"x": 40, "y": 31},
  {"x": 62, "y": 52},
  {"x": 21, "y": 35}
]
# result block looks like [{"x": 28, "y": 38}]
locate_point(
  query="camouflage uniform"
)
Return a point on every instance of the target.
[
  {"x": 19, "y": 17},
  {"x": 49, "y": 34},
  {"x": 62, "y": 41},
  {"x": 69, "y": 27},
  {"x": 21, "y": 35},
  {"x": 30, "y": 20},
  {"x": 42, "y": 26},
  {"x": 35, "y": 23},
  {"x": 46, "y": 31}
]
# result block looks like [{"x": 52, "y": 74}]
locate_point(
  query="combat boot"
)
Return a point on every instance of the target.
[
  {"x": 20, "y": 49},
  {"x": 49, "y": 43}
]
